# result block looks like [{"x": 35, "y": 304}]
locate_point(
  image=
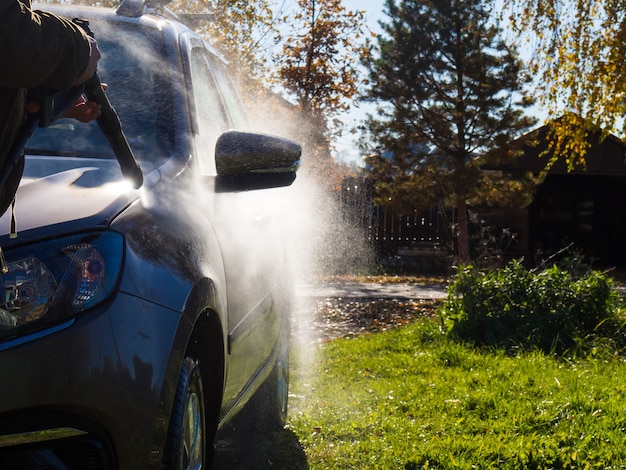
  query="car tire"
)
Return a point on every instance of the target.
[{"x": 186, "y": 447}]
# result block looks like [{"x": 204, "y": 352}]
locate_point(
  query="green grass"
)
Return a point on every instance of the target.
[{"x": 411, "y": 398}]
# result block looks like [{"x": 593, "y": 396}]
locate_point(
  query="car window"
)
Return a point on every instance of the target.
[
  {"x": 231, "y": 97},
  {"x": 211, "y": 116},
  {"x": 134, "y": 68}
]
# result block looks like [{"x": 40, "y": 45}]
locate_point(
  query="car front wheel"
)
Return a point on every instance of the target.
[{"x": 186, "y": 440}]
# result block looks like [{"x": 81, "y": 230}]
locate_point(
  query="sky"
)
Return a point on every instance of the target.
[{"x": 373, "y": 9}]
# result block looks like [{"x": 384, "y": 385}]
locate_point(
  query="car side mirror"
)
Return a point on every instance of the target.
[{"x": 247, "y": 160}]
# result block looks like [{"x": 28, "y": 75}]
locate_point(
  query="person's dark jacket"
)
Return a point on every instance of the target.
[{"x": 37, "y": 49}]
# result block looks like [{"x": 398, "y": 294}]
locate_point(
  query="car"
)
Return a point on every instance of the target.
[{"x": 138, "y": 319}]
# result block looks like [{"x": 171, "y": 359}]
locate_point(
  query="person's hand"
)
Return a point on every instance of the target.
[
  {"x": 83, "y": 110},
  {"x": 94, "y": 57}
]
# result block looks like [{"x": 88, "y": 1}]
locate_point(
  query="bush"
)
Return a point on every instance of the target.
[{"x": 557, "y": 310}]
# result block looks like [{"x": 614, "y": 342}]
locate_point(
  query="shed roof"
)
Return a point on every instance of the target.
[{"x": 604, "y": 157}]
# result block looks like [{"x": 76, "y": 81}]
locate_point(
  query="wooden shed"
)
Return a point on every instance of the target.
[{"x": 584, "y": 207}]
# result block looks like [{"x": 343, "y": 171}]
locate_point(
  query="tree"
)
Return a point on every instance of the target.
[
  {"x": 451, "y": 102},
  {"x": 317, "y": 67},
  {"x": 579, "y": 59},
  {"x": 246, "y": 32},
  {"x": 241, "y": 31}
]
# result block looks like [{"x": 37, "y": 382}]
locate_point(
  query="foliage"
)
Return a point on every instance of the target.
[
  {"x": 578, "y": 54},
  {"x": 317, "y": 59},
  {"x": 412, "y": 398},
  {"x": 245, "y": 32},
  {"x": 451, "y": 97},
  {"x": 556, "y": 310},
  {"x": 316, "y": 65},
  {"x": 240, "y": 30},
  {"x": 489, "y": 244}
]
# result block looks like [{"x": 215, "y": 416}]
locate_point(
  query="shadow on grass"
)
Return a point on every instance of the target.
[{"x": 239, "y": 449}]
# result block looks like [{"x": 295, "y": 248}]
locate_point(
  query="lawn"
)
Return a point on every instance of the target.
[{"x": 410, "y": 398}]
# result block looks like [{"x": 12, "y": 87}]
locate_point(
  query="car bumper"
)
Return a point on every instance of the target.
[{"x": 93, "y": 392}]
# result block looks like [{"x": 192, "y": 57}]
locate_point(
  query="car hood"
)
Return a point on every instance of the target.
[{"x": 67, "y": 200}]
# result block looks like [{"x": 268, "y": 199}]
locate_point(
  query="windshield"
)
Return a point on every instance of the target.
[{"x": 135, "y": 70}]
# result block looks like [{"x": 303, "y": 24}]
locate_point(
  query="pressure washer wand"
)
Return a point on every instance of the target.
[
  {"x": 109, "y": 123},
  {"x": 45, "y": 107}
]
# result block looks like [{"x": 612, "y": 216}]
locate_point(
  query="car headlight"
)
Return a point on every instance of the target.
[{"x": 52, "y": 281}]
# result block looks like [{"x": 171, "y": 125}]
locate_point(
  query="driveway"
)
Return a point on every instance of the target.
[
  {"x": 353, "y": 290},
  {"x": 330, "y": 310}
]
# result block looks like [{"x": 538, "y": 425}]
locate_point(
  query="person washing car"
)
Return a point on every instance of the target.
[{"x": 38, "y": 49}]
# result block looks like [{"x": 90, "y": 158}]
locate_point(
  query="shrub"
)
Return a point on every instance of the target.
[{"x": 556, "y": 310}]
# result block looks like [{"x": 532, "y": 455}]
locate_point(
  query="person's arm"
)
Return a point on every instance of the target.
[{"x": 41, "y": 49}]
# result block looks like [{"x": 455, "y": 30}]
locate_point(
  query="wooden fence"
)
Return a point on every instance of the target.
[{"x": 423, "y": 233}]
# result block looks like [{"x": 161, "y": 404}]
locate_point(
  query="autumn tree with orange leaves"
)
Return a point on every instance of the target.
[
  {"x": 241, "y": 31},
  {"x": 322, "y": 45}
]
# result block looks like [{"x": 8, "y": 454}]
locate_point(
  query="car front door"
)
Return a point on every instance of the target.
[{"x": 243, "y": 226}]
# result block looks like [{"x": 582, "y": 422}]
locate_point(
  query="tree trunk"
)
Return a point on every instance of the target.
[{"x": 463, "y": 233}]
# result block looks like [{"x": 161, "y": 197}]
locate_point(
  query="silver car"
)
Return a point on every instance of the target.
[{"x": 134, "y": 323}]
